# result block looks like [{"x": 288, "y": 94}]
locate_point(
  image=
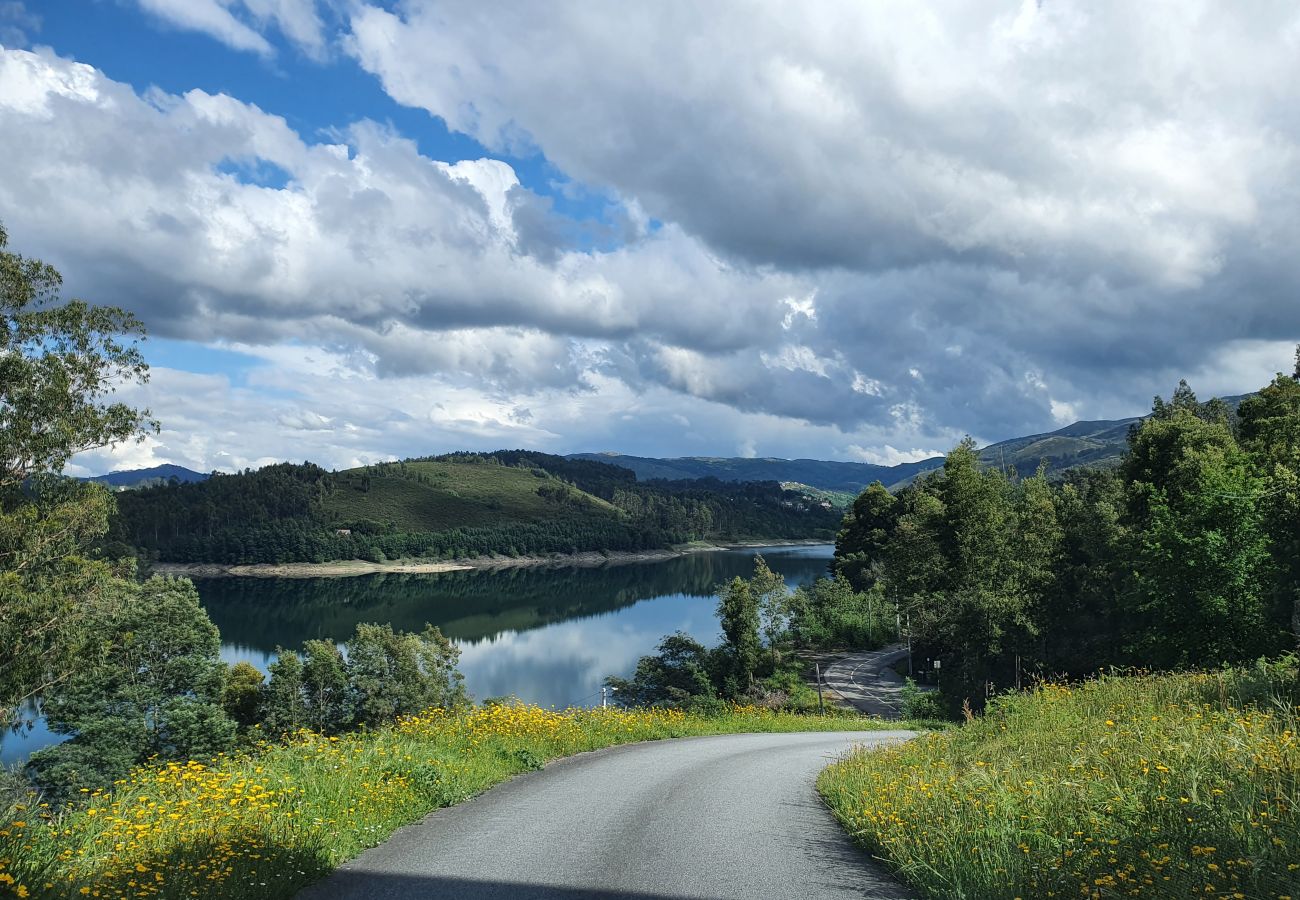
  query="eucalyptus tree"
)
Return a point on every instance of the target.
[{"x": 60, "y": 363}]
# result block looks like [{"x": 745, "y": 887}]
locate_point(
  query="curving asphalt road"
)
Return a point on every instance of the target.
[
  {"x": 732, "y": 816},
  {"x": 867, "y": 681}
]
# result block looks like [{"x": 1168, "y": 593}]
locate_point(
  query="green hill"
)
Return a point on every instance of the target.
[
  {"x": 436, "y": 496},
  {"x": 1100, "y": 443}
]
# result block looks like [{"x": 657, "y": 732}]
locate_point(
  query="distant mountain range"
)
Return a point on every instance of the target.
[
  {"x": 137, "y": 478},
  {"x": 1099, "y": 443},
  {"x": 841, "y": 477}
]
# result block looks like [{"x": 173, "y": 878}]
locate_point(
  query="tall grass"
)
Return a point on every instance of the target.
[
  {"x": 266, "y": 822},
  {"x": 1139, "y": 786}
]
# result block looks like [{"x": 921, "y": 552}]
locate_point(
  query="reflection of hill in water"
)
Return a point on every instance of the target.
[{"x": 471, "y": 605}]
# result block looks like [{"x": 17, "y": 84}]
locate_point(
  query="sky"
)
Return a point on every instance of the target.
[{"x": 360, "y": 230}]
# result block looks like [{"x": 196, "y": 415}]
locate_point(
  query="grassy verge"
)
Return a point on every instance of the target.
[
  {"x": 267, "y": 822},
  {"x": 1142, "y": 786}
]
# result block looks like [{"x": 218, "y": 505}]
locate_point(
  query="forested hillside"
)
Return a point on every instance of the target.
[{"x": 459, "y": 505}]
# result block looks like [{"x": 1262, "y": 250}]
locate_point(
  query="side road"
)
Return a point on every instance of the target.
[
  {"x": 713, "y": 817},
  {"x": 867, "y": 681}
]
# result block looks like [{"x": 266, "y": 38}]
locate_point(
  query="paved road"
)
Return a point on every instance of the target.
[
  {"x": 716, "y": 817},
  {"x": 867, "y": 681}
]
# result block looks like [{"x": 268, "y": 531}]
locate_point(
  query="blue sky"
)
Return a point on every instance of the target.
[{"x": 361, "y": 230}]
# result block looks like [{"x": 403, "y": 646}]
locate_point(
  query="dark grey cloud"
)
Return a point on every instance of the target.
[{"x": 1084, "y": 198}]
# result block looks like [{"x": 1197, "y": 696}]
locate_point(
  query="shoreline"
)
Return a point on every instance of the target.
[{"x": 350, "y": 567}]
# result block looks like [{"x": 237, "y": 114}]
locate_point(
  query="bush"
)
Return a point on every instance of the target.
[{"x": 922, "y": 704}]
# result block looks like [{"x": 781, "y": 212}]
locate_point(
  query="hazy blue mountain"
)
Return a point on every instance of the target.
[
  {"x": 134, "y": 478},
  {"x": 1099, "y": 443}
]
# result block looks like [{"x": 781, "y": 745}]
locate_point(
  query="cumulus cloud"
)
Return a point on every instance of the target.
[
  {"x": 1042, "y": 184},
  {"x": 367, "y": 241},
  {"x": 1054, "y": 137}
]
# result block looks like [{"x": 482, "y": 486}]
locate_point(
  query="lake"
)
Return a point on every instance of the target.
[{"x": 547, "y": 635}]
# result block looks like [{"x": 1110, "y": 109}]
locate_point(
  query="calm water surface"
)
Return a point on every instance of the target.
[{"x": 546, "y": 635}]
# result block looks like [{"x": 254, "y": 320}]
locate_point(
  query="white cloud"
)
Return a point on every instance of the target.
[
  {"x": 890, "y": 456},
  {"x": 367, "y": 243},
  {"x": 212, "y": 17},
  {"x": 1050, "y": 137},
  {"x": 240, "y": 24},
  {"x": 1063, "y": 413},
  {"x": 17, "y": 23}
]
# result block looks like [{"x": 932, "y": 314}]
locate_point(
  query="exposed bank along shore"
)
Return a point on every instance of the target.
[{"x": 347, "y": 567}]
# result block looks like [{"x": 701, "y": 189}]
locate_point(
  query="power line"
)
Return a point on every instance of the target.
[{"x": 1272, "y": 493}]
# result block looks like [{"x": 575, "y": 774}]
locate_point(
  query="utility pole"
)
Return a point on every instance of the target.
[
  {"x": 909, "y": 643},
  {"x": 821, "y": 709}
]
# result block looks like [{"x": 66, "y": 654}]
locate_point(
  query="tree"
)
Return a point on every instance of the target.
[
  {"x": 325, "y": 687},
  {"x": 1198, "y": 549},
  {"x": 59, "y": 363},
  {"x": 156, "y": 691},
  {"x": 242, "y": 696},
  {"x": 738, "y": 613},
  {"x": 864, "y": 535},
  {"x": 1270, "y": 433},
  {"x": 773, "y": 599},
  {"x": 283, "y": 708},
  {"x": 1083, "y": 624},
  {"x": 676, "y": 675},
  {"x": 392, "y": 673},
  {"x": 1038, "y": 539},
  {"x": 829, "y": 613}
]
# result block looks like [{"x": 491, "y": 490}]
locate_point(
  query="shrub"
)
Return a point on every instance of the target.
[{"x": 921, "y": 704}]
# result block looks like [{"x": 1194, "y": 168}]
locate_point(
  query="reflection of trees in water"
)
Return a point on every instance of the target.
[{"x": 469, "y": 605}]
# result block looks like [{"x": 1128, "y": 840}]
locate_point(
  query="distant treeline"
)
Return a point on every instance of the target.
[{"x": 291, "y": 513}]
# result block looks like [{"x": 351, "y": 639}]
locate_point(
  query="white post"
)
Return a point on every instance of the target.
[
  {"x": 909, "y": 643},
  {"x": 603, "y": 700}
]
